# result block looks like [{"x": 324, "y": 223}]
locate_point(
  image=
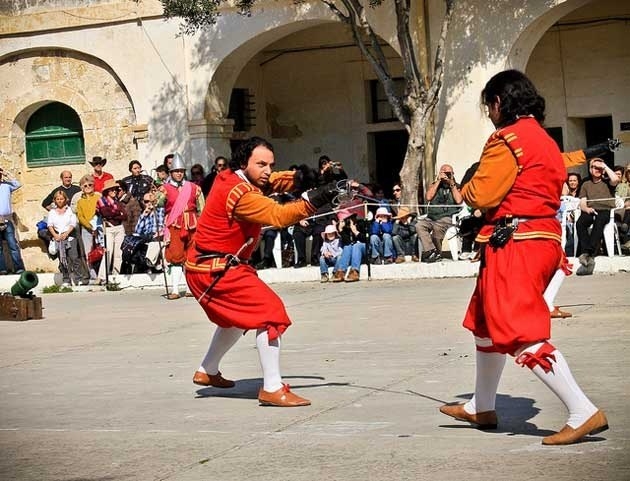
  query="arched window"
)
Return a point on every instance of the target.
[{"x": 54, "y": 136}]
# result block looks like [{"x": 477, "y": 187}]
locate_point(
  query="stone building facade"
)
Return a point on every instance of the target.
[{"x": 289, "y": 73}]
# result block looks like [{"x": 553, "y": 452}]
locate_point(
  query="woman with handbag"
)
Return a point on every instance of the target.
[
  {"x": 89, "y": 220},
  {"x": 61, "y": 225}
]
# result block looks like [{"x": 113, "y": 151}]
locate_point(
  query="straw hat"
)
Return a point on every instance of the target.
[
  {"x": 110, "y": 184},
  {"x": 403, "y": 212}
]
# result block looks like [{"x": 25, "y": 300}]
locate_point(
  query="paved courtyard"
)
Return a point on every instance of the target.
[{"x": 101, "y": 390}]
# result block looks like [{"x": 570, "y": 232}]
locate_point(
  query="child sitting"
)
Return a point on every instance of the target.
[{"x": 330, "y": 251}]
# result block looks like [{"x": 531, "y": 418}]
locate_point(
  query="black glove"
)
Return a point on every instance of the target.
[
  {"x": 601, "y": 149},
  {"x": 322, "y": 195},
  {"x": 305, "y": 178}
]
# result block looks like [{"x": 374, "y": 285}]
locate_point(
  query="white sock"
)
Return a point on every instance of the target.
[
  {"x": 561, "y": 382},
  {"x": 269, "y": 354},
  {"x": 552, "y": 289},
  {"x": 489, "y": 367},
  {"x": 176, "y": 276},
  {"x": 222, "y": 341}
]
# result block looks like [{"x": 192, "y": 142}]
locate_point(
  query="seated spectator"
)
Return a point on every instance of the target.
[
  {"x": 622, "y": 191},
  {"x": 381, "y": 244},
  {"x": 469, "y": 227},
  {"x": 330, "y": 251},
  {"x": 113, "y": 214},
  {"x": 66, "y": 186},
  {"x": 352, "y": 233},
  {"x": 269, "y": 236},
  {"x": 62, "y": 223},
  {"x": 137, "y": 184},
  {"x": 571, "y": 188},
  {"x": 404, "y": 236},
  {"x": 444, "y": 192},
  {"x": 595, "y": 213}
]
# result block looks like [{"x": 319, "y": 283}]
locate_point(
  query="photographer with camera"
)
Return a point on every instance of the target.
[
  {"x": 8, "y": 184},
  {"x": 444, "y": 192}
]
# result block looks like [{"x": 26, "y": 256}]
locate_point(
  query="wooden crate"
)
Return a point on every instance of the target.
[{"x": 19, "y": 309}]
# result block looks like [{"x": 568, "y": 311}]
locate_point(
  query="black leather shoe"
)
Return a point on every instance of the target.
[{"x": 299, "y": 264}]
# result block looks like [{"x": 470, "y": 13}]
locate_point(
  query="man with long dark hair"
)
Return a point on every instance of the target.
[
  {"x": 217, "y": 268},
  {"x": 518, "y": 184}
]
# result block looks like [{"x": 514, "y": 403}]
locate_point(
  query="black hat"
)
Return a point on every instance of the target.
[{"x": 98, "y": 160}]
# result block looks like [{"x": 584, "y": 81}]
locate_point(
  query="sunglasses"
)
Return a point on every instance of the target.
[{"x": 87, "y": 185}]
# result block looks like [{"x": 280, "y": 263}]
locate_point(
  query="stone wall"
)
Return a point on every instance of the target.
[{"x": 87, "y": 85}]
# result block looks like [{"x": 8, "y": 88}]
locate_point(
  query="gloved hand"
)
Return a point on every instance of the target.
[
  {"x": 601, "y": 149},
  {"x": 322, "y": 195},
  {"x": 305, "y": 178}
]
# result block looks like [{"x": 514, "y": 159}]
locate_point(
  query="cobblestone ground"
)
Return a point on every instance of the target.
[{"x": 101, "y": 390}]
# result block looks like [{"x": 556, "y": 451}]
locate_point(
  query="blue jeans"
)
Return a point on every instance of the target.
[
  {"x": 383, "y": 247},
  {"x": 8, "y": 234},
  {"x": 326, "y": 262},
  {"x": 352, "y": 256}
]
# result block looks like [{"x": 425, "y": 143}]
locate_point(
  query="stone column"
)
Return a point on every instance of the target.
[{"x": 209, "y": 139}]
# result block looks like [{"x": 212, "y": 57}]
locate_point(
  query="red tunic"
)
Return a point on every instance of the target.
[
  {"x": 235, "y": 212},
  {"x": 508, "y": 305}
]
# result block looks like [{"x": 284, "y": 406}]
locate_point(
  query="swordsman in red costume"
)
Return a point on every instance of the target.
[
  {"x": 518, "y": 184},
  {"x": 226, "y": 286}
]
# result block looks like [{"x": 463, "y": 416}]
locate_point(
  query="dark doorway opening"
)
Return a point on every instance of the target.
[
  {"x": 597, "y": 130},
  {"x": 389, "y": 152}
]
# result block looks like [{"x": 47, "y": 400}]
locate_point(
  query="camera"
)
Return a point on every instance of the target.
[{"x": 449, "y": 174}]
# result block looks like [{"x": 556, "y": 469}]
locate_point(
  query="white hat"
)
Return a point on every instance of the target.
[
  {"x": 330, "y": 229},
  {"x": 383, "y": 211}
]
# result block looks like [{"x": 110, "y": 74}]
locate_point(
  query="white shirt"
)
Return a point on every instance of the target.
[{"x": 62, "y": 221}]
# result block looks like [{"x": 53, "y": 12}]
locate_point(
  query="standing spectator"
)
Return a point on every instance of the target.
[
  {"x": 330, "y": 251},
  {"x": 66, "y": 186},
  {"x": 161, "y": 175},
  {"x": 444, "y": 192},
  {"x": 353, "y": 242},
  {"x": 197, "y": 174},
  {"x": 183, "y": 201},
  {"x": 62, "y": 223},
  {"x": 113, "y": 214},
  {"x": 137, "y": 184},
  {"x": 7, "y": 228},
  {"x": 404, "y": 235},
  {"x": 132, "y": 208},
  {"x": 381, "y": 243},
  {"x": 88, "y": 218},
  {"x": 396, "y": 198},
  {"x": 220, "y": 164},
  {"x": 100, "y": 176},
  {"x": 595, "y": 213}
]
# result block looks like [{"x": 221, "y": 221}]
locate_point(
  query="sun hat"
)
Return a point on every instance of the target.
[
  {"x": 330, "y": 229},
  {"x": 110, "y": 184},
  {"x": 403, "y": 212},
  {"x": 383, "y": 211}
]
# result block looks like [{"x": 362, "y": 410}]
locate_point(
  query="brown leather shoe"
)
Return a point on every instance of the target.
[
  {"x": 283, "y": 398},
  {"x": 400, "y": 260},
  {"x": 559, "y": 314},
  {"x": 483, "y": 421},
  {"x": 172, "y": 296},
  {"x": 203, "y": 379},
  {"x": 567, "y": 435},
  {"x": 415, "y": 259},
  {"x": 353, "y": 276},
  {"x": 339, "y": 276}
]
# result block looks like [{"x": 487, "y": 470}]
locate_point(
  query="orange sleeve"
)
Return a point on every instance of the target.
[
  {"x": 496, "y": 173},
  {"x": 255, "y": 207},
  {"x": 571, "y": 159},
  {"x": 281, "y": 181}
]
